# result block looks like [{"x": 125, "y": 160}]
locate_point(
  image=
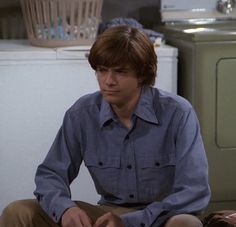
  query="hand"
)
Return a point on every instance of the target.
[
  {"x": 75, "y": 217},
  {"x": 109, "y": 220}
]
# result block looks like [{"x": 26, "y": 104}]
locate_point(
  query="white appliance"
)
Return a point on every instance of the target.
[{"x": 37, "y": 86}]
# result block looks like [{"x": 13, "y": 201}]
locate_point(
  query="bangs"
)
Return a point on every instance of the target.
[
  {"x": 110, "y": 59},
  {"x": 110, "y": 53}
]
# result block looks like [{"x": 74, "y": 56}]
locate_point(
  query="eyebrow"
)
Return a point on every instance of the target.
[{"x": 115, "y": 68}]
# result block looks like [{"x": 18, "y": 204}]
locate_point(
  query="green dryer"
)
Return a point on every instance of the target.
[{"x": 207, "y": 78}]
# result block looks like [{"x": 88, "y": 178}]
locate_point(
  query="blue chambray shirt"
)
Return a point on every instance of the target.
[{"x": 160, "y": 163}]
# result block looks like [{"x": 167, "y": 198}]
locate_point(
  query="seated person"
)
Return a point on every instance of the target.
[{"x": 141, "y": 145}]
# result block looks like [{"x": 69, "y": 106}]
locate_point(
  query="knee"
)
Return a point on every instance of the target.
[
  {"x": 21, "y": 209},
  {"x": 11, "y": 209},
  {"x": 183, "y": 220}
]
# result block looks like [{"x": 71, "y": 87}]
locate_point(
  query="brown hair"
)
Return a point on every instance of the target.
[{"x": 122, "y": 45}]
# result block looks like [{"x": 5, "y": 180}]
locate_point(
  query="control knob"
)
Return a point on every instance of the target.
[{"x": 225, "y": 6}]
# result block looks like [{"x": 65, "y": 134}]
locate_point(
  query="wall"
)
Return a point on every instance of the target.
[
  {"x": 9, "y": 3},
  {"x": 145, "y": 11}
]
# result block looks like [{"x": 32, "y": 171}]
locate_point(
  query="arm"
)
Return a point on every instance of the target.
[
  {"x": 191, "y": 191},
  {"x": 60, "y": 167}
]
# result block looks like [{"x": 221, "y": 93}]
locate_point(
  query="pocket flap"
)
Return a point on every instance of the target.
[
  {"x": 102, "y": 162},
  {"x": 158, "y": 161}
]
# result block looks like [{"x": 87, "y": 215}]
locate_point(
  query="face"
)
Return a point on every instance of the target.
[{"x": 118, "y": 85}]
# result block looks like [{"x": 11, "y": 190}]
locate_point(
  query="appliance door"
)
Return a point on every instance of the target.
[
  {"x": 34, "y": 95},
  {"x": 214, "y": 94},
  {"x": 207, "y": 79}
]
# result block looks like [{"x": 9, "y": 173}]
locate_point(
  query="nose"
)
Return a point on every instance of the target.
[{"x": 110, "y": 77}]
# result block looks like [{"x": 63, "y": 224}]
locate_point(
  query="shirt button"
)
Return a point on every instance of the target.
[
  {"x": 54, "y": 215},
  {"x": 157, "y": 164},
  {"x": 131, "y": 196},
  {"x": 129, "y": 166},
  {"x": 39, "y": 198},
  {"x": 100, "y": 163}
]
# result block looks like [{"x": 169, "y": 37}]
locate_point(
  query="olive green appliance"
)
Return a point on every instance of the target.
[{"x": 206, "y": 40}]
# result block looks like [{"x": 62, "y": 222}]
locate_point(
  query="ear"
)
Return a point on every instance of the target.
[{"x": 140, "y": 81}]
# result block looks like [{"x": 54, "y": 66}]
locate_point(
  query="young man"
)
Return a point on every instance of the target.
[{"x": 142, "y": 147}]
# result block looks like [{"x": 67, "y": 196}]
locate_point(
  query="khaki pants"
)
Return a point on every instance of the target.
[{"x": 28, "y": 213}]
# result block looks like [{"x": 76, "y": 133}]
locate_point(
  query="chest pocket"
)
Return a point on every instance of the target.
[
  {"x": 105, "y": 171},
  {"x": 156, "y": 175}
]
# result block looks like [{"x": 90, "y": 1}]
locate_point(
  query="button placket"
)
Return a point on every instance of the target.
[{"x": 130, "y": 166}]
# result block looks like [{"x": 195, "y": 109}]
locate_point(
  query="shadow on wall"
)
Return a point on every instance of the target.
[
  {"x": 11, "y": 20},
  {"x": 144, "y": 11},
  {"x": 11, "y": 23}
]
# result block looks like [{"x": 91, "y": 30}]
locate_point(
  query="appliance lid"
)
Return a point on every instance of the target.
[
  {"x": 201, "y": 33},
  {"x": 23, "y": 50},
  {"x": 200, "y": 11}
]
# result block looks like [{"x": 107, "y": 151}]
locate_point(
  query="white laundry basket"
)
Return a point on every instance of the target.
[{"x": 56, "y": 23}]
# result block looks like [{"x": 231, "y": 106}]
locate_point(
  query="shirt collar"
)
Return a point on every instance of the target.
[
  {"x": 106, "y": 113},
  {"x": 144, "y": 110}
]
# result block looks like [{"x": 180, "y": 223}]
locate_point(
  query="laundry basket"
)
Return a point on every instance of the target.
[{"x": 57, "y": 23}]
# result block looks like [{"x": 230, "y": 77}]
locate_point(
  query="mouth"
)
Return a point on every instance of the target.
[{"x": 111, "y": 92}]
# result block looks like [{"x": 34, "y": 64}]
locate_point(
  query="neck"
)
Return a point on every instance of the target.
[{"x": 125, "y": 110}]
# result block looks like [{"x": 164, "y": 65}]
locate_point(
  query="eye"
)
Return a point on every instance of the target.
[
  {"x": 102, "y": 69},
  {"x": 120, "y": 71}
]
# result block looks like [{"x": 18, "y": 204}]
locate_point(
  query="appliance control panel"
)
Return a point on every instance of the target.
[{"x": 182, "y": 10}]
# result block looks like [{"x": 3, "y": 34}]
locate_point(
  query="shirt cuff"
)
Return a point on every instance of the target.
[
  {"x": 58, "y": 209},
  {"x": 135, "y": 219}
]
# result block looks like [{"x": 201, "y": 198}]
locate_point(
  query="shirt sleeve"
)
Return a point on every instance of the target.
[
  {"x": 191, "y": 191},
  {"x": 60, "y": 167}
]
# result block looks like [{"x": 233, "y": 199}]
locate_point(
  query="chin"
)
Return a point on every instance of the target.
[{"x": 112, "y": 100}]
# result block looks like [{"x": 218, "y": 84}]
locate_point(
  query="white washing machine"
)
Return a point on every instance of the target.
[{"x": 37, "y": 86}]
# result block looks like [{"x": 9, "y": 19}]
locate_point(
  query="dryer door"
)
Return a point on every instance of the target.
[{"x": 226, "y": 104}]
